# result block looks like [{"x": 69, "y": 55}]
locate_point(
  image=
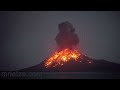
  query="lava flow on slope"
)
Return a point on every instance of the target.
[{"x": 60, "y": 57}]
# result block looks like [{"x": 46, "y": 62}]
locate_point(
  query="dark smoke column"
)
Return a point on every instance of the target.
[{"x": 66, "y": 38}]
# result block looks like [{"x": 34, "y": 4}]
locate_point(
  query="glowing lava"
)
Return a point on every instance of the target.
[{"x": 59, "y": 58}]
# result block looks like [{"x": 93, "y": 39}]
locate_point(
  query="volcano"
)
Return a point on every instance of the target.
[
  {"x": 68, "y": 58},
  {"x": 77, "y": 62}
]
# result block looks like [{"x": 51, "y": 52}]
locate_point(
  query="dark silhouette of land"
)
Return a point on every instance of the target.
[{"x": 76, "y": 66}]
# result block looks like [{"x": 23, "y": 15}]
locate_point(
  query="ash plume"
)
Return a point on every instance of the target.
[{"x": 66, "y": 38}]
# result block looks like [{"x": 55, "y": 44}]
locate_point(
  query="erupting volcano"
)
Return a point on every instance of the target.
[
  {"x": 67, "y": 42},
  {"x": 68, "y": 57},
  {"x": 59, "y": 58},
  {"x": 64, "y": 56}
]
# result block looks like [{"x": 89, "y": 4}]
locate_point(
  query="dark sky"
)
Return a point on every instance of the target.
[{"x": 27, "y": 37}]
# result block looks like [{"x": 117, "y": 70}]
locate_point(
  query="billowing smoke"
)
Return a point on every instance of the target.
[{"x": 66, "y": 38}]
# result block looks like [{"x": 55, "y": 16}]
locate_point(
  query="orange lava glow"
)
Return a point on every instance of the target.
[{"x": 59, "y": 58}]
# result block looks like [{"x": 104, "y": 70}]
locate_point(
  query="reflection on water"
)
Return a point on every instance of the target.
[
  {"x": 80, "y": 75},
  {"x": 60, "y": 75}
]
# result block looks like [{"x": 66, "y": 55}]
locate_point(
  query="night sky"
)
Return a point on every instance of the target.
[{"x": 27, "y": 37}]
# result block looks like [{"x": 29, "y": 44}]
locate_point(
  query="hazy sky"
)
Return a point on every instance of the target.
[{"x": 27, "y": 37}]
